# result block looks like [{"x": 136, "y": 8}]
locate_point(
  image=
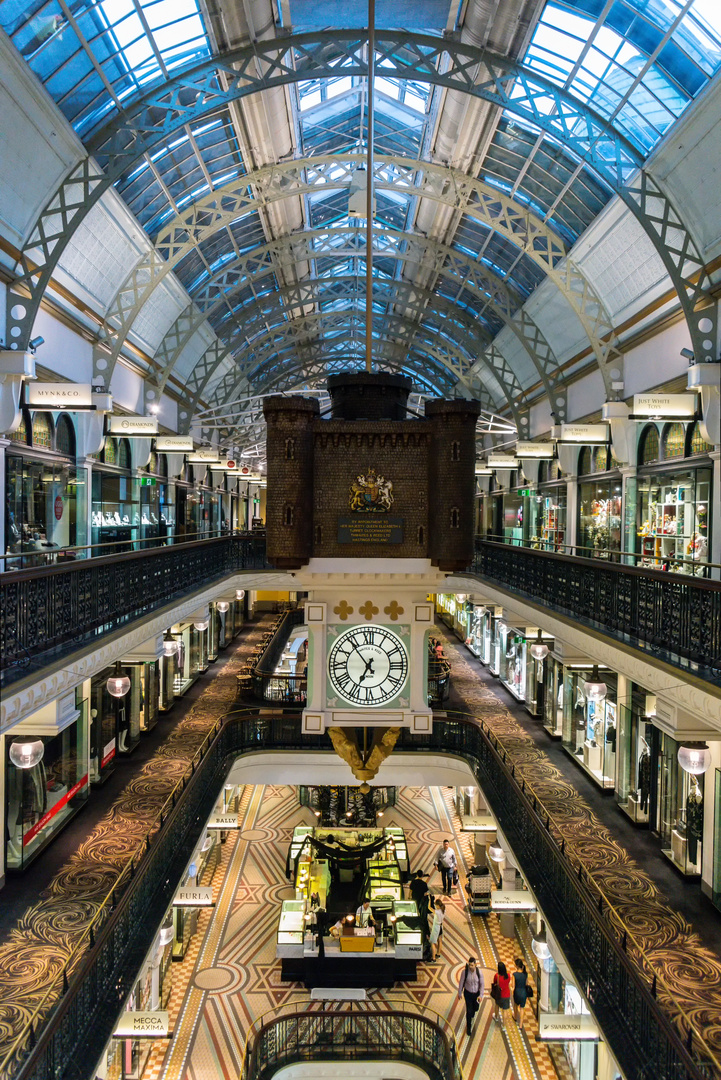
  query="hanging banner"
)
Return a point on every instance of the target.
[
  {"x": 534, "y": 450},
  {"x": 584, "y": 433},
  {"x": 664, "y": 406},
  {"x": 143, "y": 1025},
  {"x": 203, "y": 456},
  {"x": 53, "y": 395},
  {"x": 502, "y": 461},
  {"x": 138, "y": 426},
  {"x": 567, "y": 1027},
  {"x": 175, "y": 444}
]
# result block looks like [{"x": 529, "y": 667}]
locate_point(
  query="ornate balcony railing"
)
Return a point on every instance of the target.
[
  {"x": 608, "y": 963},
  {"x": 385, "y": 1031},
  {"x": 45, "y": 612},
  {"x": 676, "y": 617}
]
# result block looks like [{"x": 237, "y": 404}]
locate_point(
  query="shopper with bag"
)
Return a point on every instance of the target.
[
  {"x": 501, "y": 992},
  {"x": 471, "y": 986},
  {"x": 521, "y": 990},
  {"x": 446, "y": 863}
]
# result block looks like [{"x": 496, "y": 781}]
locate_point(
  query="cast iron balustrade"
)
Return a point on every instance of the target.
[
  {"x": 83, "y": 1004},
  {"x": 381, "y": 1031},
  {"x": 46, "y": 612},
  {"x": 269, "y": 685},
  {"x": 674, "y": 616},
  {"x": 439, "y": 682}
]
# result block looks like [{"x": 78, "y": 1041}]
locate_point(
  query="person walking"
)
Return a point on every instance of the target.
[
  {"x": 501, "y": 992},
  {"x": 419, "y": 893},
  {"x": 447, "y": 864},
  {"x": 520, "y": 991},
  {"x": 436, "y": 937},
  {"x": 471, "y": 986}
]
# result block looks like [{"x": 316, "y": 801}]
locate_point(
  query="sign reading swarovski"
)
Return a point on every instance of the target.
[{"x": 59, "y": 395}]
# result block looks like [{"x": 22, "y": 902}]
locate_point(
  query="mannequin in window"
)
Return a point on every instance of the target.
[
  {"x": 694, "y": 820},
  {"x": 579, "y": 708},
  {"x": 644, "y": 775},
  {"x": 611, "y": 737}
]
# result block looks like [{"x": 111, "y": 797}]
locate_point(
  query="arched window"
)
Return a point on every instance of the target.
[
  {"x": 319, "y": 534},
  {"x": 110, "y": 453},
  {"x": 290, "y": 449},
  {"x": 188, "y": 474},
  {"x": 455, "y": 517},
  {"x": 674, "y": 441},
  {"x": 455, "y": 451},
  {"x": 65, "y": 436},
  {"x": 600, "y": 459},
  {"x": 124, "y": 455},
  {"x": 162, "y": 465},
  {"x": 542, "y": 472},
  {"x": 648, "y": 445},
  {"x": 20, "y": 434},
  {"x": 584, "y": 461},
  {"x": 288, "y": 515},
  {"x": 421, "y": 535},
  {"x": 152, "y": 466},
  {"x": 43, "y": 430},
  {"x": 554, "y": 470},
  {"x": 696, "y": 442}
]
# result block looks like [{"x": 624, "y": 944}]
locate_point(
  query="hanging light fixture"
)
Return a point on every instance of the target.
[
  {"x": 594, "y": 688},
  {"x": 25, "y": 753},
  {"x": 223, "y": 606},
  {"x": 694, "y": 757},
  {"x": 240, "y": 594},
  {"x": 539, "y": 649},
  {"x": 540, "y": 944},
  {"x": 165, "y": 935},
  {"x": 170, "y": 645},
  {"x": 118, "y": 684},
  {"x": 496, "y": 852},
  {"x": 201, "y": 624},
  {"x": 461, "y": 597}
]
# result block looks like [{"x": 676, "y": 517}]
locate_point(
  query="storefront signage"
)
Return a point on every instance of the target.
[
  {"x": 534, "y": 450},
  {"x": 143, "y": 1025},
  {"x": 483, "y": 470},
  {"x": 227, "y": 465},
  {"x": 479, "y": 823},
  {"x": 178, "y": 444},
  {"x": 665, "y": 406},
  {"x": 223, "y": 821},
  {"x": 204, "y": 454},
  {"x": 584, "y": 433},
  {"x": 133, "y": 426},
  {"x": 512, "y": 901},
  {"x": 502, "y": 461},
  {"x": 108, "y": 753},
  {"x": 370, "y": 529},
  {"x": 54, "y": 395},
  {"x": 58, "y": 507},
  {"x": 566, "y": 1027},
  {"x": 197, "y": 897},
  {"x": 55, "y": 809}
]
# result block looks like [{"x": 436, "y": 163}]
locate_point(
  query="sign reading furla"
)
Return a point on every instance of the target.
[
  {"x": 665, "y": 406},
  {"x": 55, "y": 395}
]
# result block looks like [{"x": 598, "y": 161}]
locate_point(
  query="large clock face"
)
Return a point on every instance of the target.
[{"x": 368, "y": 665}]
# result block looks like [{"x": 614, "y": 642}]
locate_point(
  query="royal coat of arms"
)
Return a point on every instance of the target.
[{"x": 371, "y": 494}]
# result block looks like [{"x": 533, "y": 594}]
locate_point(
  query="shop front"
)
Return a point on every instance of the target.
[
  {"x": 590, "y": 715},
  {"x": 538, "y": 651},
  {"x": 190, "y": 656},
  {"x": 157, "y": 505},
  {"x": 599, "y": 504},
  {"x": 673, "y": 498},
  {"x": 680, "y": 809},
  {"x": 143, "y": 698},
  {"x": 513, "y": 656},
  {"x": 46, "y": 776},
  {"x": 552, "y": 493},
  {"x": 491, "y": 622},
  {"x": 633, "y": 748},
  {"x": 474, "y": 638},
  {"x": 115, "y": 510},
  {"x": 45, "y": 493}
]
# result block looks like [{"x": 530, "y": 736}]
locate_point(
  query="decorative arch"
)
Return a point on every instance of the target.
[
  {"x": 648, "y": 445},
  {"x": 65, "y": 436}
]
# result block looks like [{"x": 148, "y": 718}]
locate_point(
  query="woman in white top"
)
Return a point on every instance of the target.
[{"x": 436, "y": 939}]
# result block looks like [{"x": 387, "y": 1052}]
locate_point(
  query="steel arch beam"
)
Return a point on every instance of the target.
[
  {"x": 203, "y": 88},
  {"x": 452, "y": 265}
]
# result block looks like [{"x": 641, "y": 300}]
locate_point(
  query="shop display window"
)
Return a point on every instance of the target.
[
  {"x": 168, "y": 666},
  {"x": 115, "y": 512},
  {"x": 552, "y": 523},
  {"x": 103, "y": 728},
  {"x": 716, "y": 883},
  {"x": 45, "y": 510},
  {"x": 673, "y": 515},
  {"x": 633, "y": 785},
  {"x": 474, "y": 640},
  {"x": 680, "y": 810},
  {"x": 40, "y": 799},
  {"x": 535, "y": 690},
  {"x": 599, "y": 511},
  {"x": 513, "y": 660},
  {"x": 590, "y": 727},
  {"x": 190, "y": 656},
  {"x": 553, "y": 696},
  {"x": 143, "y": 696}
]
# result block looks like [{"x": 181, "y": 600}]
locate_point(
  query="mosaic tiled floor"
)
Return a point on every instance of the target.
[
  {"x": 661, "y": 941},
  {"x": 35, "y": 952},
  {"x": 233, "y": 978}
]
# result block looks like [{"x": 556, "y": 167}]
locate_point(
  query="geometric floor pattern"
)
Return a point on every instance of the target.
[{"x": 231, "y": 977}]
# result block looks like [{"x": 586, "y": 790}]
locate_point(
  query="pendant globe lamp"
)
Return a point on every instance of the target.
[
  {"x": 594, "y": 688},
  {"x": 540, "y": 944},
  {"x": 694, "y": 757},
  {"x": 539, "y": 649},
  {"x": 118, "y": 684},
  {"x": 26, "y": 753},
  {"x": 170, "y": 645}
]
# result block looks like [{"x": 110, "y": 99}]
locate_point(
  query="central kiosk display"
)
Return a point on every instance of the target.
[{"x": 326, "y": 937}]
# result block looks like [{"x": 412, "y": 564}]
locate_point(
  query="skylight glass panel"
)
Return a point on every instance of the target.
[
  {"x": 109, "y": 50},
  {"x": 637, "y": 63}
]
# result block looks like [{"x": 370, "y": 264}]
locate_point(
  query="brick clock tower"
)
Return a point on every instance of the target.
[{"x": 396, "y": 496}]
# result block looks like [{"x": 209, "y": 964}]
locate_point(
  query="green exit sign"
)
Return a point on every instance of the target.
[{"x": 525, "y": 491}]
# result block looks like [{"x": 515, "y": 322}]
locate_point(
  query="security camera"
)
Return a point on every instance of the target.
[
  {"x": 36, "y": 342},
  {"x": 687, "y": 353}
]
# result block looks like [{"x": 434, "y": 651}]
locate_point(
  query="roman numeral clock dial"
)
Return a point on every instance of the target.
[{"x": 368, "y": 666}]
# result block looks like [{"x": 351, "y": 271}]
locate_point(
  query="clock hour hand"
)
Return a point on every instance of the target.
[{"x": 369, "y": 668}]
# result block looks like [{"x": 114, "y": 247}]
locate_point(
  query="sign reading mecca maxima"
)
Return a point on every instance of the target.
[{"x": 143, "y": 1025}]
